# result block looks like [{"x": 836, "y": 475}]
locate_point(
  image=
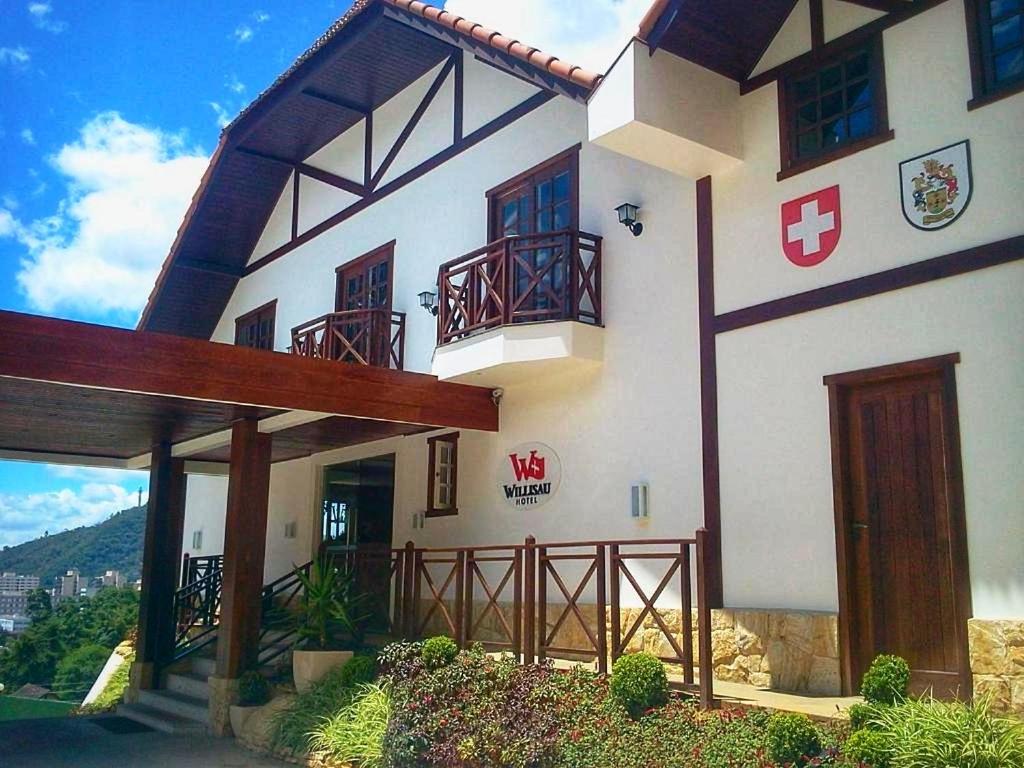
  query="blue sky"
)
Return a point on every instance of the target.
[{"x": 109, "y": 110}]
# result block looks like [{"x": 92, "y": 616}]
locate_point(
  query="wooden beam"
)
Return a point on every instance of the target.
[
  {"x": 266, "y": 156},
  {"x": 368, "y": 151},
  {"x": 458, "y": 106},
  {"x": 410, "y": 126},
  {"x": 245, "y": 539},
  {"x": 335, "y": 101},
  {"x": 171, "y": 366},
  {"x": 886, "y": 6},
  {"x": 165, "y": 519},
  {"x": 333, "y": 179},
  {"x": 212, "y": 267},
  {"x": 817, "y": 23},
  {"x": 295, "y": 203}
]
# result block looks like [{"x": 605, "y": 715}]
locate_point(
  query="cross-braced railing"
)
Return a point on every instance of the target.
[
  {"x": 365, "y": 336},
  {"x": 196, "y": 609},
  {"x": 521, "y": 279}
]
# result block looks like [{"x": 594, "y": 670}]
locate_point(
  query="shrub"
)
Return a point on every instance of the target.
[
  {"x": 355, "y": 734},
  {"x": 886, "y": 680},
  {"x": 860, "y": 716},
  {"x": 358, "y": 671},
  {"x": 439, "y": 652},
  {"x": 639, "y": 683},
  {"x": 292, "y": 726},
  {"x": 928, "y": 733},
  {"x": 401, "y": 660},
  {"x": 113, "y": 692},
  {"x": 253, "y": 689},
  {"x": 868, "y": 747},
  {"x": 792, "y": 738}
]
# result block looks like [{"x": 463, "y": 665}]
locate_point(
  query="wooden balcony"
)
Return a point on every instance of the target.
[
  {"x": 522, "y": 279},
  {"x": 365, "y": 336}
]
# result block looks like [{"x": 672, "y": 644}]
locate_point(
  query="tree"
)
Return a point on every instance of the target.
[
  {"x": 40, "y": 606},
  {"x": 77, "y": 671}
]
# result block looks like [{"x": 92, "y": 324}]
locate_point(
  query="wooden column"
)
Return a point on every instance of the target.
[
  {"x": 165, "y": 519},
  {"x": 245, "y": 540}
]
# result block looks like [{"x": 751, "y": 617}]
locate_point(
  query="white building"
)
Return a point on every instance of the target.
[{"x": 16, "y": 582}]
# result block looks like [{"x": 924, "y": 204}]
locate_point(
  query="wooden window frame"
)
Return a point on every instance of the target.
[
  {"x": 243, "y": 320},
  {"x": 984, "y": 92},
  {"x": 433, "y": 511},
  {"x": 389, "y": 248},
  {"x": 790, "y": 163},
  {"x": 837, "y": 385},
  {"x": 569, "y": 156}
]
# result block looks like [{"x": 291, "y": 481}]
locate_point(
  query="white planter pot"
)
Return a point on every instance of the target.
[
  {"x": 239, "y": 715},
  {"x": 309, "y": 666}
]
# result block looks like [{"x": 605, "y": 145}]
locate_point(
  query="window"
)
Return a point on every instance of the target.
[
  {"x": 834, "y": 108},
  {"x": 996, "y": 34},
  {"x": 256, "y": 329},
  {"x": 442, "y": 477},
  {"x": 365, "y": 283}
]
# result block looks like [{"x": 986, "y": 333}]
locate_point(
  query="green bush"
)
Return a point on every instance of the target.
[
  {"x": 926, "y": 733},
  {"x": 868, "y": 747},
  {"x": 886, "y": 680},
  {"x": 639, "y": 683},
  {"x": 355, "y": 734},
  {"x": 253, "y": 689},
  {"x": 861, "y": 716},
  {"x": 439, "y": 652},
  {"x": 113, "y": 692},
  {"x": 292, "y": 726},
  {"x": 358, "y": 671},
  {"x": 792, "y": 738}
]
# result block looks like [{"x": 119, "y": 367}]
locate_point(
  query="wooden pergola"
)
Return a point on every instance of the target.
[{"x": 86, "y": 394}]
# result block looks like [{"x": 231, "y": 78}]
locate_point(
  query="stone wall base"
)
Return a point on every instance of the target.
[
  {"x": 223, "y": 693},
  {"x": 997, "y": 662},
  {"x": 795, "y": 651}
]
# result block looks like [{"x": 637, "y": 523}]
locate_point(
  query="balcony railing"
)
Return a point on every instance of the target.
[
  {"x": 521, "y": 279},
  {"x": 365, "y": 336}
]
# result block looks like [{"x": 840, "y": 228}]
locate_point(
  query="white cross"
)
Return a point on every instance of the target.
[{"x": 811, "y": 227}]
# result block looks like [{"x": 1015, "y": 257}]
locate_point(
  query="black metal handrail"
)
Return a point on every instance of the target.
[
  {"x": 197, "y": 612},
  {"x": 275, "y": 615}
]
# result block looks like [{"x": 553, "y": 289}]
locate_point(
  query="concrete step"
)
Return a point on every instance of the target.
[
  {"x": 160, "y": 720},
  {"x": 177, "y": 704},
  {"x": 203, "y": 666},
  {"x": 188, "y": 683}
]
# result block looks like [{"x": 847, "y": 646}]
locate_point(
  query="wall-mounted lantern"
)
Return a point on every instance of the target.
[
  {"x": 428, "y": 300},
  {"x": 627, "y": 218}
]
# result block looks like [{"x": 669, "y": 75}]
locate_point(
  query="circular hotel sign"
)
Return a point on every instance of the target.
[{"x": 528, "y": 475}]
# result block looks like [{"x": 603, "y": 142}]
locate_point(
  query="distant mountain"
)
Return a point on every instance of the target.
[{"x": 114, "y": 544}]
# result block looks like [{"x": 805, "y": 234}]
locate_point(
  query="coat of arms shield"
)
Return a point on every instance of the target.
[{"x": 936, "y": 187}]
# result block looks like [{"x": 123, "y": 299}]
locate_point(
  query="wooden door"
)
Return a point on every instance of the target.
[
  {"x": 901, "y": 527},
  {"x": 364, "y": 284}
]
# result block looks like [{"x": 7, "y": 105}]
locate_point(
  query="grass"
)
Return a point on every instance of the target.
[
  {"x": 17, "y": 708},
  {"x": 356, "y": 733},
  {"x": 113, "y": 691}
]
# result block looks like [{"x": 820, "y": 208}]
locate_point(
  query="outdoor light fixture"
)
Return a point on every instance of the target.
[
  {"x": 627, "y": 218},
  {"x": 428, "y": 300}
]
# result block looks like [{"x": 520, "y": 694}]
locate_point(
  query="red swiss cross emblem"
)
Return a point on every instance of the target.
[{"x": 811, "y": 226}]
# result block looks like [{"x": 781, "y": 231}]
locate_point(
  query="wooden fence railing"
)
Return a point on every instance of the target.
[
  {"x": 365, "y": 336},
  {"x": 521, "y": 279},
  {"x": 563, "y": 599}
]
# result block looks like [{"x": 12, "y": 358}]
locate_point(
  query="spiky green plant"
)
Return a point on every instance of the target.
[
  {"x": 355, "y": 734},
  {"x": 330, "y": 605}
]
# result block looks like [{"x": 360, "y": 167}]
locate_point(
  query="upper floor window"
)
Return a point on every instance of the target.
[
  {"x": 256, "y": 329},
  {"x": 833, "y": 107},
  {"x": 996, "y": 29},
  {"x": 543, "y": 199}
]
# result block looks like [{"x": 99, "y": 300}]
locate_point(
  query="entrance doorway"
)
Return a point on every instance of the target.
[
  {"x": 900, "y": 529},
  {"x": 358, "y": 508}
]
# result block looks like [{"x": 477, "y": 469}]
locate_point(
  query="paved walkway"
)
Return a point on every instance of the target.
[{"x": 79, "y": 742}]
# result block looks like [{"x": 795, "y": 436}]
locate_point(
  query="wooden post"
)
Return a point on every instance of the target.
[
  {"x": 602, "y": 604},
  {"x": 407, "y": 590},
  {"x": 707, "y": 695},
  {"x": 517, "y": 602},
  {"x": 616, "y": 603},
  {"x": 467, "y": 603},
  {"x": 529, "y": 600},
  {"x": 687, "y": 611},
  {"x": 542, "y": 602},
  {"x": 165, "y": 518},
  {"x": 460, "y": 598},
  {"x": 245, "y": 538}
]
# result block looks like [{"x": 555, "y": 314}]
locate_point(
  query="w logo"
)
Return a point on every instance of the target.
[{"x": 531, "y": 468}]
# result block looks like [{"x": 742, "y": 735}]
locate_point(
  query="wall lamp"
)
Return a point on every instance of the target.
[
  {"x": 428, "y": 300},
  {"x": 627, "y": 218}
]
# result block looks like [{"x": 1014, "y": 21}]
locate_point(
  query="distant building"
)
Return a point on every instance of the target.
[
  {"x": 14, "y": 624},
  {"x": 16, "y": 582},
  {"x": 70, "y": 584},
  {"x": 113, "y": 579},
  {"x": 13, "y": 603}
]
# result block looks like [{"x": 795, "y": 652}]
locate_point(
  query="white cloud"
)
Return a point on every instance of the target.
[
  {"x": 223, "y": 118},
  {"x": 41, "y": 17},
  {"x": 128, "y": 187},
  {"x": 101, "y": 475},
  {"x": 234, "y": 84},
  {"x": 261, "y": 17},
  {"x": 28, "y": 137},
  {"x": 6, "y": 221},
  {"x": 243, "y": 33},
  {"x": 15, "y": 57},
  {"x": 25, "y": 517},
  {"x": 589, "y": 33}
]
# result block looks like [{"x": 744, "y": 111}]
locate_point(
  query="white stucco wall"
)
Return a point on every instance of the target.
[{"x": 206, "y": 499}]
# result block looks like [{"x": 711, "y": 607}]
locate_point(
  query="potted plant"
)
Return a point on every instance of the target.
[
  {"x": 330, "y": 612},
  {"x": 253, "y": 693}
]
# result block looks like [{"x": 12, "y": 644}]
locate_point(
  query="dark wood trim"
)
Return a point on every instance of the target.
[
  {"x": 817, "y": 23},
  {"x": 709, "y": 391},
  {"x": 886, "y": 6},
  {"x": 99, "y": 357},
  {"x": 480, "y": 134},
  {"x": 336, "y": 101},
  {"x": 841, "y": 478},
  {"x": 564, "y": 154},
  {"x": 983, "y": 93},
  {"x": 332, "y": 179},
  {"x": 458, "y": 102},
  {"x": 845, "y": 151},
  {"x": 295, "y": 203},
  {"x": 907, "y": 11},
  {"x": 959, "y": 263},
  {"x": 270, "y": 158},
  {"x": 368, "y": 152},
  {"x": 570, "y": 156},
  {"x": 209, "y": 266},
  {"x": 991, "y": 98},
  {"x": 390, "y": 245},
  {"x": 417, "y": 115},
  {"x": 269, "y": 308},
  {"x": 453, "y": 438}
]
